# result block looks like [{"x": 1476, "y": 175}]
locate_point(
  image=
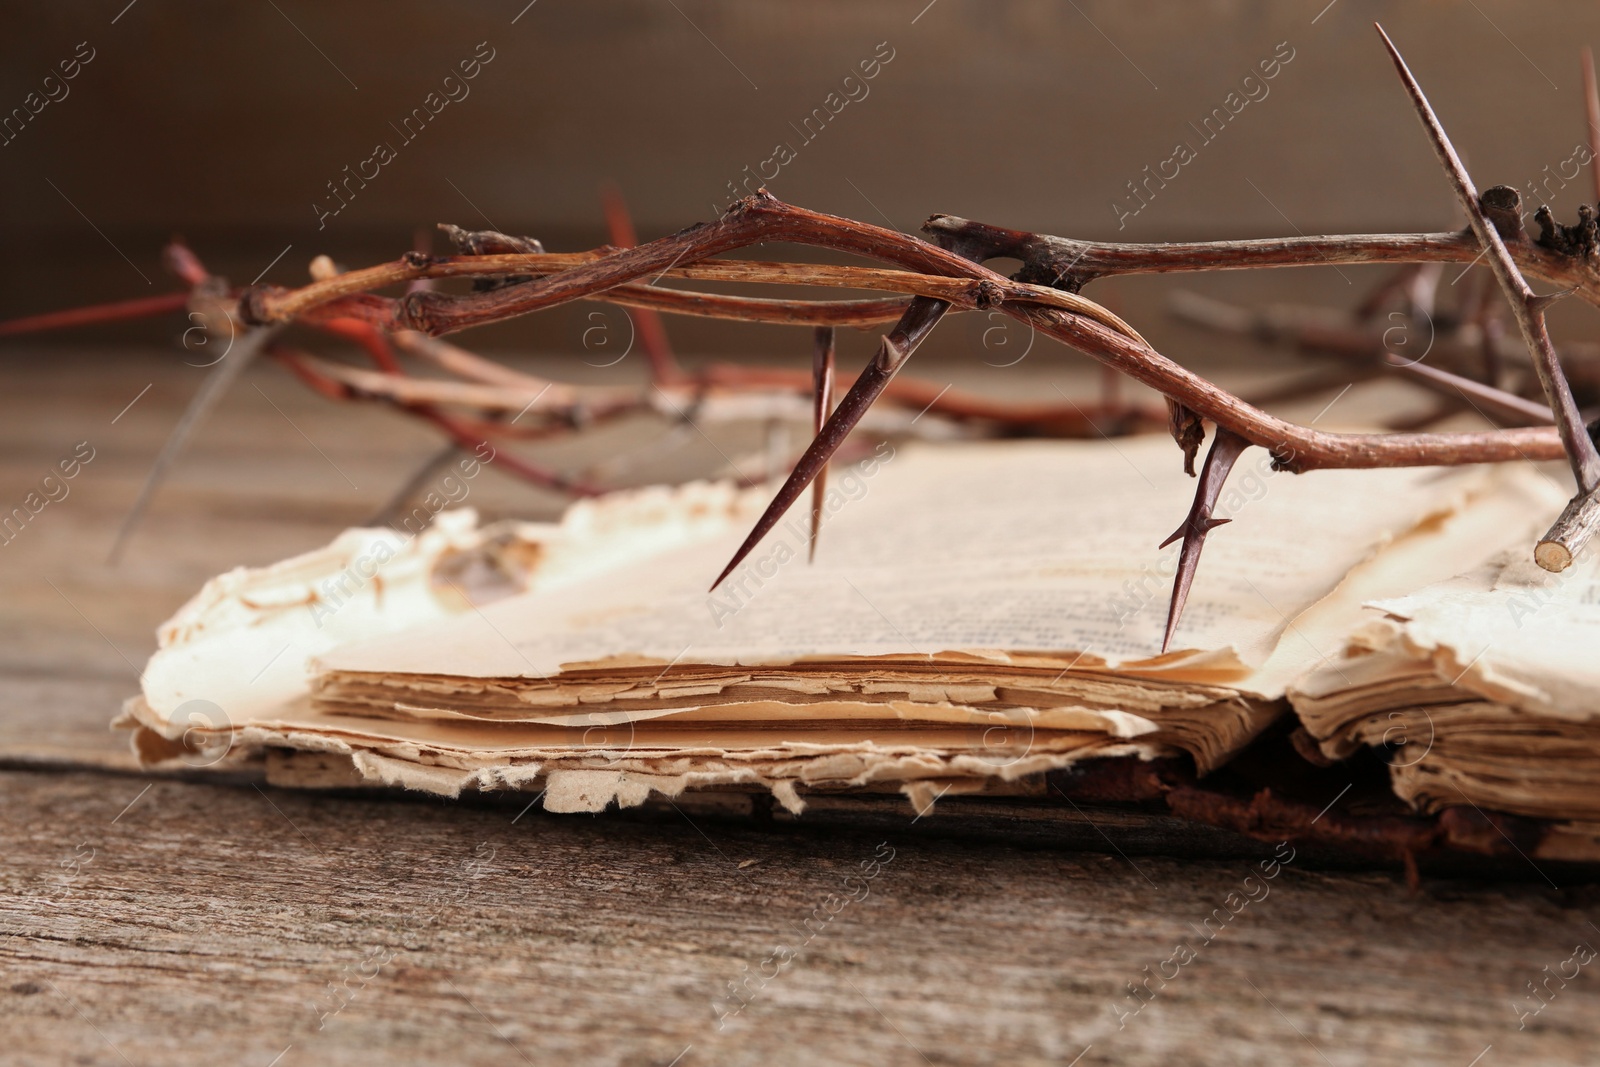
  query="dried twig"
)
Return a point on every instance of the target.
[
  {"x": 513, "y": 276},
  {"x": 1077, "y": 263},
  {"x": 762, "y": 217},
  {"x": 652, "y": 332},
  {"x": 1364, "y": 347},
  {"x": 1577, "y": 523},
  {"x": 118, "y": 311}
]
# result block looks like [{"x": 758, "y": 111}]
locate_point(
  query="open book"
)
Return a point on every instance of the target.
[
  {"x": 976, "y": 617},
  {"x": 1491, "y": 679}
]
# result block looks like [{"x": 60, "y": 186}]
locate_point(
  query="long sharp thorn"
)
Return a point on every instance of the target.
[
  {"x": 211, "y": 392},
  {"x": 822, "y": 391},
  {"x": 1581, "y": 453},
  {"x": 1454, "y": 169},
  {"x": 120, "y": 311},
  {"x": 1591, "y": 107},
  {"x": 1226, "y": 447},
  {"x": 919, "y": 318}
]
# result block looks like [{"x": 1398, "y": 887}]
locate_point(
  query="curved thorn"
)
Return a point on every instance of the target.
[
  {"x": 1226, "y": 447},
  {"x": 1540, "y": 302},
  {"x": 920, "y": 318},
  {"x": 822, "y": 393}
]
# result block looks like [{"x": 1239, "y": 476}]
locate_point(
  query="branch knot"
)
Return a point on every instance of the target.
[
  {"x": 1050, "y": 271},
  {"x": 1502, "y": 205},
  {"x": 747, "y": 205}
]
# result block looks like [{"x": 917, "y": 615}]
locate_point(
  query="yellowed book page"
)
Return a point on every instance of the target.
[
  {"x": 241, "y": 645},
  {"x": 1506, "y": 516},
  {"x": 1027, "y": 547},
  {"x": 624, "y": 765},
  {"x": 1510, "y": 632}
]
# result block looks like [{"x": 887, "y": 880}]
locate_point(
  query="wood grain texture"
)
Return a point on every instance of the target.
[{"x": 202, "y": 922}]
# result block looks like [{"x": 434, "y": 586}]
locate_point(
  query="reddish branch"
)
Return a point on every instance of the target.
[
  {"x": 120, "y": 311},
  {"x": 652, "y": 332},
  {"x": 514, "y": 276},
  {"x": 1077, "y": 263},
  {"x": 763, "y": 218}
]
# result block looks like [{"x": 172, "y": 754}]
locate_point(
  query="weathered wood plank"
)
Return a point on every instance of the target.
[{"x": 202, "y": 924}]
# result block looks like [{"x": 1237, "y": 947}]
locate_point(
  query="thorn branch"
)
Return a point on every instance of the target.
[
  {"x": 1528, "y": 309},
  {"x": 896, "y": 347}
]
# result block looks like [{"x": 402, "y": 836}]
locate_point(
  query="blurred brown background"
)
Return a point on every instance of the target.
[{"x": 225, "y": 122}]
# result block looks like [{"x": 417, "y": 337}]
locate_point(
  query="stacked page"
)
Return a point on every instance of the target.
[
  {"x": 975, "y": 615},
  {"x": 1486, "y": 687}
]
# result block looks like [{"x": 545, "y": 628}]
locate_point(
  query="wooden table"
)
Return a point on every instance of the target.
[{"x": 150, "y": 920}]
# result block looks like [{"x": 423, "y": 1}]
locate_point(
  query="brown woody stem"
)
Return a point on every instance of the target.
[
  {"x": 764, "y": 218},
  {"x": 1528, "y": 309},
  {"x": 1077, "y": 263}
]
